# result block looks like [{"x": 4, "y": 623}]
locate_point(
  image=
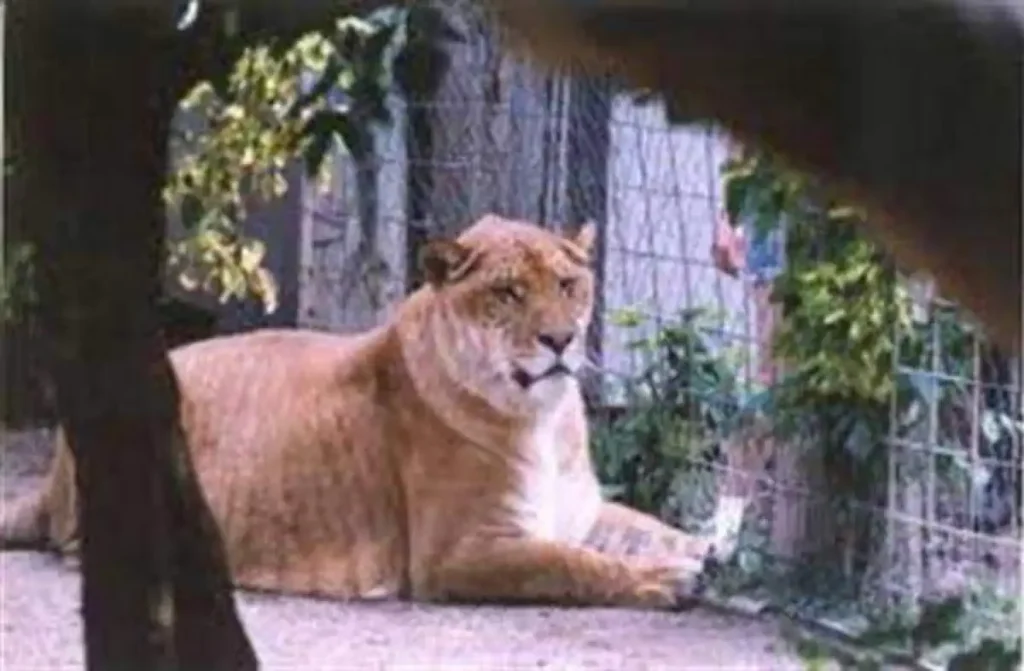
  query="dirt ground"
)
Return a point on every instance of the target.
[{"x": 40, "y": 627}]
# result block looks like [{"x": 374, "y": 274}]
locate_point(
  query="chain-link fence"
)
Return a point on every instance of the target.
[{"x": 932, "y": 509}]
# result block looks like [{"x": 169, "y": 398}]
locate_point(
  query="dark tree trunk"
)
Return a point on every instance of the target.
[{"x": 91, "y": 103}]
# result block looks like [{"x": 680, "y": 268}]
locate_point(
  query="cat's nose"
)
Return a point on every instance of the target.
[{"x": 556, "y": 341}]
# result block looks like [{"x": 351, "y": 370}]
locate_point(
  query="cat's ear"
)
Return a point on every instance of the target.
[
  {"x": 581, "y": 241},
  {"x": 444, "y": 260}
]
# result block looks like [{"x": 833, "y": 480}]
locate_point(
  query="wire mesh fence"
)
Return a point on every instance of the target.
[
  {"x": 933, "y": 507},
  {"x": 930, "y": 508}
]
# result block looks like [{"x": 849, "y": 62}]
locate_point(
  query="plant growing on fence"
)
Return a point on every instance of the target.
[
  {"x": 846, "y": 316},
  {"x": 842, "y": 306},
  {"x": 939, "y": 634},
  {"x": 846, "y": 320},
  {"x": 679, "y": 403},
  {"x": 851, "y": 348},
  {"x": 842, "y": 310}
]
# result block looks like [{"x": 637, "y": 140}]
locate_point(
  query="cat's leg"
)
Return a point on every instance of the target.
[
  {"x": 525, "y": 570},
  {"x": 623, "y": 532}
]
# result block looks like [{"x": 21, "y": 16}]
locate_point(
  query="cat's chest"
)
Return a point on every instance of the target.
[{"x": 551, "y": 503}]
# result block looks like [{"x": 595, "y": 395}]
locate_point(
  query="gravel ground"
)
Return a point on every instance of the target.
[{"x": 41, "y": 628}]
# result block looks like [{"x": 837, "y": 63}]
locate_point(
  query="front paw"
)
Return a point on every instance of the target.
[
  {"x": 716, "y": 549},
  {"x": 675, "y": 586},
  {"x": 661, "y": 586}
]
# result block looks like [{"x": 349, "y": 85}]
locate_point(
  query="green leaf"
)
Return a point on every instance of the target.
[
  {"x": 265, "y": 287},
  {"x": 251, "y": 254},
  {"x": 626, "y": 318}
]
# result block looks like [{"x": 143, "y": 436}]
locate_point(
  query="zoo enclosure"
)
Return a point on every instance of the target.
[
  {"x": 675, "y": 339},
  {"x": 940, "y": 514}
]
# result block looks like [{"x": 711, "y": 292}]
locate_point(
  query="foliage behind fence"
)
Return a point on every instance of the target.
[{"x": 895, "y": 475}]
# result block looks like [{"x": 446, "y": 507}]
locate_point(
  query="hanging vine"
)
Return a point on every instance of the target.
[{"x": 842, "y": 305}]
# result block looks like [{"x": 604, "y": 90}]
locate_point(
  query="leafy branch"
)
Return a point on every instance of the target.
[
  {"x": 843, "y": 307},
  {"x": 248, "y": 135},
  {"x": 278, "y": 104}
]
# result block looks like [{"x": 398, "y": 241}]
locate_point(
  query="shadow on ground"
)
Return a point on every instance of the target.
[{"x": 40, "y": 627}]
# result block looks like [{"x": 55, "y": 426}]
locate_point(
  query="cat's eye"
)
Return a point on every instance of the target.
[
  {"x": 567, "y": 285},
  {"x": 508, "y": 292}
]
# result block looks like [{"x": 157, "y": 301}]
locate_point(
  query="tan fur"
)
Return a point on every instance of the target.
[{"x": 407, "y": 461}]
